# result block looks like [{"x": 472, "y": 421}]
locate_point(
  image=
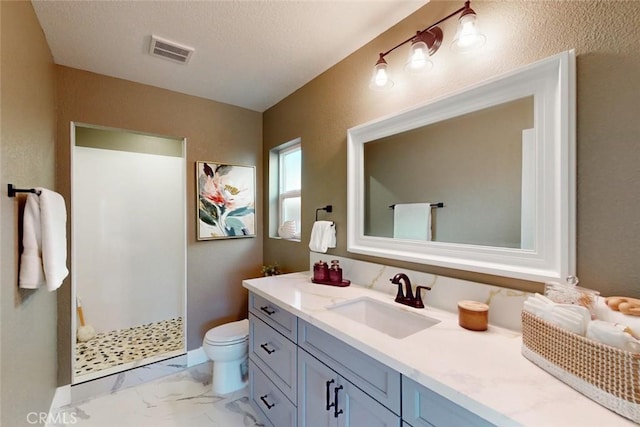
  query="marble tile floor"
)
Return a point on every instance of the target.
[{"x": 183, "y": 399}]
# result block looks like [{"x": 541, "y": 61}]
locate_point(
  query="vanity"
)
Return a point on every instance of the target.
[
  {"x": 312, "y": 363},
  {"x": 328, "y": 356}
]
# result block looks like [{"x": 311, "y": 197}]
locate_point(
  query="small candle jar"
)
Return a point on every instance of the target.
[{"x": 473, "y": 315}]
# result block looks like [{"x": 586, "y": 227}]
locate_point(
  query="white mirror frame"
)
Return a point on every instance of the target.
[{"x": 552, "y": 83}]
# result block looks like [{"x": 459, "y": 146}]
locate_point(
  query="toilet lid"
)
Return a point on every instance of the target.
[{"x": 229, "y": 332}]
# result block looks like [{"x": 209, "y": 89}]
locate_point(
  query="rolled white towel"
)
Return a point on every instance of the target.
[
  {"x": 613, "y": 334},
  {"x": 573, "y": 318},
  {"x": 566, "y": 319}
]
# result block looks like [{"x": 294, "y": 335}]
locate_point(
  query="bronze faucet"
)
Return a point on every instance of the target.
[{"x": 407, "y": 297}]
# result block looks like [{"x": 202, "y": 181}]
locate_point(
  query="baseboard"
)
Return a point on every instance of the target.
[
  {"x": 196, "y": 357},
  {"x": 61, "y": 397}
]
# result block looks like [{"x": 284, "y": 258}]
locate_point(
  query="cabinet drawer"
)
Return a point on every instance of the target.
[
  {"x": 283, "y": 321},
  {"x": 270, "y": 401},
  {"x": 275, "y": 355},
  {"x": 374, "y": 378},
  {"x": 422, "y": 407}
]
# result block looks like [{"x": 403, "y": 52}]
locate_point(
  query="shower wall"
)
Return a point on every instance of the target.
[{"x": 128, "y": 236}]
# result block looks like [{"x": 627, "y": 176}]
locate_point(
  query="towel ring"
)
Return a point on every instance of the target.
[{"x": 328, "y": 208}]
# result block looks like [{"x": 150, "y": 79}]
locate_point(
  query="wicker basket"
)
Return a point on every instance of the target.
[{"x": 605, "y": 374}]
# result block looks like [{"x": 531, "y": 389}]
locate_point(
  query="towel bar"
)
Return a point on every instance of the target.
[
  {"x": 11, "y": 190},
  {"x": 433, "y": 205}
]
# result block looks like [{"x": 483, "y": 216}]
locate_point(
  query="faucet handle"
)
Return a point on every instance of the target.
[{"x": 419, "y": 303}]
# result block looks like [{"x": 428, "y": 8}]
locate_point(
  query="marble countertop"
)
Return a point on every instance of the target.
[{"x": 481, "y": 371}]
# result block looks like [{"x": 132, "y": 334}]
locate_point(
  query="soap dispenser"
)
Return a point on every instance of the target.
[
  {"x": 335, "y": 272},
  {"x": 320, "y": 271}
]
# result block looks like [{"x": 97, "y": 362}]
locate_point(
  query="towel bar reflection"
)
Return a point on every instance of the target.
[
  {"x": 11, "y": 190},
  {"x": 433, "y": 205}
]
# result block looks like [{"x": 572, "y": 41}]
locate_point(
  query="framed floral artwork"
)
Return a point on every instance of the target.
[{"x": 226, "y": 197}]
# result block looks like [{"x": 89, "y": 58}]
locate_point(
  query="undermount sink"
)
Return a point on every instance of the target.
[{"x": 386, "y": 318}]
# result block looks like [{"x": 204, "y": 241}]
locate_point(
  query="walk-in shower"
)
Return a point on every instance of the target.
[{"x": 128, "y": 233}]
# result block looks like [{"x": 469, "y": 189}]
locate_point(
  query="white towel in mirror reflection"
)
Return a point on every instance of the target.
[{"x": 412, "y": 221}]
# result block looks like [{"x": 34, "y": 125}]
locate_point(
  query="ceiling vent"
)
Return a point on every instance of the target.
[{"x": 170, "y": 50}]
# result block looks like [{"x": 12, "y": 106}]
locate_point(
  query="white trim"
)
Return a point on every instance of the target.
[
  {"x": 62, "y": 397},
  {"x": 196, "y": 357}
]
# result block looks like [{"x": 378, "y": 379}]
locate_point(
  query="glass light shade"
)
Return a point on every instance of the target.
[
  {"x": 468, "y": 37},
  {"x": 418, "y": 61},
  {"x": 380, "y": 79}
]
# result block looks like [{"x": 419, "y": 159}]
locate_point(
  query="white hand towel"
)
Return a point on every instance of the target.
[
  {"x": 53, "y": 218},
  {"x": 412, "y": 221},
  {"x": 31, "y": 272},
  {"x": 323, "y": 236}
]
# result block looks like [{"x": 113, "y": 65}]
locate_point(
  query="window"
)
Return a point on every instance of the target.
[{"x": 286, "y": 161}]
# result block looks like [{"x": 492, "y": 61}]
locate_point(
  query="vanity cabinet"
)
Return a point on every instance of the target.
[
  {"x": 300, "y": 375},
  {"x": 422, "y": 407},
  {"x": 273, "y": 362}
]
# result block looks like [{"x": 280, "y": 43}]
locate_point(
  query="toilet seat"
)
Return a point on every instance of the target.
[{"x": 229, "y": 333}]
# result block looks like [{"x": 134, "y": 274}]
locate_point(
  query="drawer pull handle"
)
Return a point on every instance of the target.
[
  {"x": 264, "y": 347},
  {"x": 264, "y": 400},
  {"x": 267, "y": 310},
  {"x": 329, "y": 405},
  {"x": 336, "y": 411}
]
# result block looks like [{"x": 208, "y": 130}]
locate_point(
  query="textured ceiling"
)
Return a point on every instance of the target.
[{"x": 247, "y": 53}]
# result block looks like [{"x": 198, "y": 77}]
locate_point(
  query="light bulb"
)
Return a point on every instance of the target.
[
  {"x": 418, "y": 58},
  {"x": 468, "y": 36},
  {"x": 380, "y": 79}
]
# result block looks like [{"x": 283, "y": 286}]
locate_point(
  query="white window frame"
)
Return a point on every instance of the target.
[
  {"x": 276, "y": 185},
  {"x": 284, "y": 195}
]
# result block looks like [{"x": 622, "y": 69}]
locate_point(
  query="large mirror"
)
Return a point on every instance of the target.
[{"x": 480, "y": 180}]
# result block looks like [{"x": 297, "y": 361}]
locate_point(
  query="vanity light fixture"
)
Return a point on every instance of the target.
[{"x": 427, "y": 42}]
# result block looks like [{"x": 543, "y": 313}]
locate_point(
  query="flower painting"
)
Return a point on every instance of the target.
[{"x": 226, "y": 200}]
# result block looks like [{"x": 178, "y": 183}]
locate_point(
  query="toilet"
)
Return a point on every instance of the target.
[{"x": 227, "y": 346}]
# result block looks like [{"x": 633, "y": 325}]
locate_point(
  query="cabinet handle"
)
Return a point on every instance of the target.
[
  {"x": 264, "y": 400},
  {"x": 336, "y": 411},
  {"x": 329, "y": 405},
  {"x": 264, "y": 347},
  {"x": 267, "y": 310}
]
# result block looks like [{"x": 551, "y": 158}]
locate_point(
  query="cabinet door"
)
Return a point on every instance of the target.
[
  {"x": 422, "y": 407},
  {"x": 316, "y": 383},
  {"x": 357, "y": 409}
]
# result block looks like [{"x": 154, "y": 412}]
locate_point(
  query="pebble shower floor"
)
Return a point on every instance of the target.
[{"x": 115, "y": 348}]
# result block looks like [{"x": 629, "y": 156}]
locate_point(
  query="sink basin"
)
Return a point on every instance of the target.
[{"x": 385, "y": 318}]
